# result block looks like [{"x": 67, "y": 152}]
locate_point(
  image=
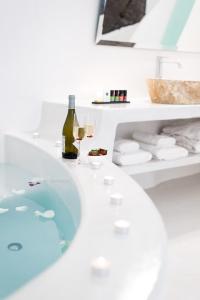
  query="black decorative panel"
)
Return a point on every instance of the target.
[{"x": 121, "y": 13}]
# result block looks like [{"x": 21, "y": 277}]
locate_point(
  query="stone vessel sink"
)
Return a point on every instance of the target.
[{"x": 174, "y": 91}]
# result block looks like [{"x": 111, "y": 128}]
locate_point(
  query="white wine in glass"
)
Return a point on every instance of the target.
[
  {"x": 89, "y": 130},
  {"x": 79, "y": 135}
]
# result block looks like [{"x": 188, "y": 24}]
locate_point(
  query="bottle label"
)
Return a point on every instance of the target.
[
  {"x": 63, "y": 144},
  {"x": 76, "y": 144}
]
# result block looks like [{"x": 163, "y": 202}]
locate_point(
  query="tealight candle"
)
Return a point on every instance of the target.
[
  {"x": 116, "y": 199},
  {"x": 122, "y": 226},
  {"x": 101, "y": 266}
]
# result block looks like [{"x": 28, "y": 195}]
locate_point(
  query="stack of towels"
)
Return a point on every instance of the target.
[
  {"x": 187, "y": 135},
  {"x": 128, "y": 152},
  {"x": 160, "y": 146},
  {"x": 173, "y": 143}
]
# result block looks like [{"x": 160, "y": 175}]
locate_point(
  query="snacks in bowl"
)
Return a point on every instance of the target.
[{"x": 98, "y": 152}]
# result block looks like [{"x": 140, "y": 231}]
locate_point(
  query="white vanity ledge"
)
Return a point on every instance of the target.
[
  {"x": 108, "y": 117},
  {"x": 123, "y": 113},
  {"x": 156, "y": 165}
]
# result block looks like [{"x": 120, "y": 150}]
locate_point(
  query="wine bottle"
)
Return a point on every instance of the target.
[{"x": 69, "y": 150}]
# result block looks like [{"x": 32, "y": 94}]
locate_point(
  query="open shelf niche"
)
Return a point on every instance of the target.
[{"x": 156, "y": 171}]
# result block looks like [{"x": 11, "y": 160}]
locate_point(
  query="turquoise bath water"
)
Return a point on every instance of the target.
[{"x": 36, "y": 227}]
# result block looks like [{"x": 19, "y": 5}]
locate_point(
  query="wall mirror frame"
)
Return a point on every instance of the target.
[{"x": 172, "y": 25}]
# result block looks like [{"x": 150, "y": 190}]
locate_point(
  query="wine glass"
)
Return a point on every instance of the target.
[
  {"x": 79, "y": 135},
  {"x": 90, "y": 128}
]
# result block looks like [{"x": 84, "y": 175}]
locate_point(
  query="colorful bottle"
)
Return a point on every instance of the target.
[
  {"x": 125, "y": 95},
  {"x": 112, "y": 96},
  {"x": 69, "y": 150},
  {"x": 116, "y": 95},
  {"x": 121, "y": 96}
]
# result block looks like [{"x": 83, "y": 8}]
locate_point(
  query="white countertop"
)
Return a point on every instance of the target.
[{"x": 144, "y": 111}]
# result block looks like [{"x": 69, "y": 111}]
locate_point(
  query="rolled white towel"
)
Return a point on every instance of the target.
[
  {"x": 159, "y": 140},
  {"x": 192, "y": 146},
  {"x": 136, "y": 158},
  {"x": 189, "y": 130},
  {"x": 172, "y": 153},
  {"x": 126, "y": 146}
]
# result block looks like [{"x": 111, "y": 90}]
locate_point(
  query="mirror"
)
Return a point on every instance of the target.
[{"x": 150, "y": 24}]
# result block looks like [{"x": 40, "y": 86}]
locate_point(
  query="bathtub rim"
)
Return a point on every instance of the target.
[{"x": 22, "y": 293}]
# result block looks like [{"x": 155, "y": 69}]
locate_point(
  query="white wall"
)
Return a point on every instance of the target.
[{"x": 48, "y": 51}]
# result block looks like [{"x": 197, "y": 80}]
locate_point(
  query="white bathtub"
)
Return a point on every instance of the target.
[{"x": 137, "y": 259}]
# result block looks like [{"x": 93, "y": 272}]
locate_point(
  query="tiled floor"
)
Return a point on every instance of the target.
[{"x": 179, "y": 204}]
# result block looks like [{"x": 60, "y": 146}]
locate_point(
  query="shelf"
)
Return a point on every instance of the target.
[
  {"x": 108, "y": 117},
  {"x": 110, "y": 102},
  {"x": 141, "y": 112},
  {"x": 156, "y": 165}
]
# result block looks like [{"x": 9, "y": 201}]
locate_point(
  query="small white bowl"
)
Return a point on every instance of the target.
[{"x": 96, "y": 159}]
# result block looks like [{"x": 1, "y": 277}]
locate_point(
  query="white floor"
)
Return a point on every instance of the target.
[{"x": 179, "y": 204}]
